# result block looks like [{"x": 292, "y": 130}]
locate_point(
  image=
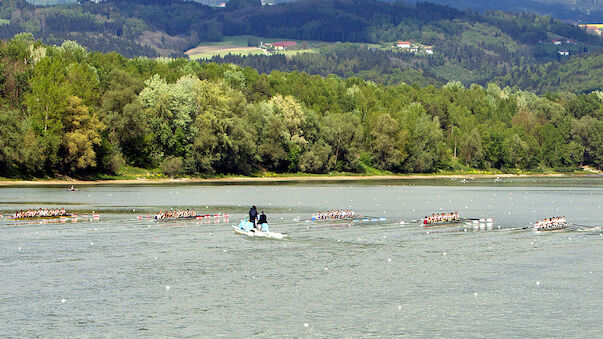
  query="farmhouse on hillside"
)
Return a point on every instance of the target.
[
  {"x": 403, "y": 44},
  {"x": 281, "y": 45}
]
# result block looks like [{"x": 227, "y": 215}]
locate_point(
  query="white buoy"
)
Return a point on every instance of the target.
[
  {"x": 167, "y": 287},
  {"x": 537, "y": 283},
  {"x": 389, "y": 260},
  {"x": 63, "y": 301},
  {"x": 91, "y": 243},
  {"x": 475, "y": 294},
  {"x": 306, "y": 325}
]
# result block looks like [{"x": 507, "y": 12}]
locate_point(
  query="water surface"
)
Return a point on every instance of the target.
[{"x": 124, "y": 277}]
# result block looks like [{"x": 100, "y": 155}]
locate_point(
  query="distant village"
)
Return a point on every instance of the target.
[
  {"x": 595, "y": 29},
  {"x": 560, "y": 43},
  {"x": 414, "y": 47}
]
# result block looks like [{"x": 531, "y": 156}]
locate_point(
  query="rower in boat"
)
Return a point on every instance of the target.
[
  {"x": 332, "y": 215},
  {"x": 179, "y": 214},
  {"x": 41, "y": 213},
  {"x": 441, "y": 218},
  {"x": 550, "y": 224}
]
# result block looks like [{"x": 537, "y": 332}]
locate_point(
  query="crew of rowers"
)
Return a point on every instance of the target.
[
  {"x": 440, "y": 217},
  {"x": 334, "y": 214},
  {"x": 550, "y": 222},
  {"x": 176, "y": 214},
  {"x": 42, "y": 212}
]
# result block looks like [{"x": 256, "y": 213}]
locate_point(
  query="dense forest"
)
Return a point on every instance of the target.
[
  {"x": 561, "y": 9},
  {"x": 471, "y": 47},
  {"x": 579, "y": 75},
  {"x": 585, "y": 10},
  {"x": 69, "y": 111}
]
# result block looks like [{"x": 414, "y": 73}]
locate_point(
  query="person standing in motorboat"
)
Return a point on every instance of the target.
[
  {"x": 253, "y": 216},
  {"x": 263, "y": 222}
]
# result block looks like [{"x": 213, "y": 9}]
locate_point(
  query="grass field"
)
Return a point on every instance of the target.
[
  {"x": 596, "y": 25},
  {"x": 4, "y": 22},
  {"x": 238, "y": 45},
  {"x": 210, "y": 53},
  {"x": 293, "y": 52}
]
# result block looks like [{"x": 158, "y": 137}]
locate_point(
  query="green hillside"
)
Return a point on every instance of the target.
[{"x": 355, "y": 38}]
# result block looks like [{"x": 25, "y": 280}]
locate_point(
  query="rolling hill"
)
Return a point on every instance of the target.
[{"x": 466, "y": 45}]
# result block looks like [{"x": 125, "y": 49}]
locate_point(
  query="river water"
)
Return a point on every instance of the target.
[{"x": 124, "y": 277}]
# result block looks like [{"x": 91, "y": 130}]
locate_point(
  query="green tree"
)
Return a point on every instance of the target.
[
  {"x": 386, "y": 145},
  {"x": 81, "y": 135}
]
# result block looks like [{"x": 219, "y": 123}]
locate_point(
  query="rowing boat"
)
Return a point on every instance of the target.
[
  {"x": 353, "y": 219},
  {"x": 246, "y": 228},
  {"x": 555, "y": 227},
  {"x": 192, "y": 217},
  {"x": 66, "y": 216},
  {"x": 445, "y": 222}
]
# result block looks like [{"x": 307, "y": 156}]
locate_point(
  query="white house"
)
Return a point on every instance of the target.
[{"x": 403, "y": 44}]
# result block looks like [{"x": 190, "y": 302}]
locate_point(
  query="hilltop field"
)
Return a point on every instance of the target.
[{"x": 239, "y": 45}]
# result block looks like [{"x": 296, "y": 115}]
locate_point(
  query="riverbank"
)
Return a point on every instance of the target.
[{"x": 279, "y": 178}]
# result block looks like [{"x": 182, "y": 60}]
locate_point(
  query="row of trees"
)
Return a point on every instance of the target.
[{"x": 66, "y": 110}]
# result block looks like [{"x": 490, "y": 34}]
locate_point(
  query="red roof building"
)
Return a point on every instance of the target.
[{"x": 285, "y": 44}]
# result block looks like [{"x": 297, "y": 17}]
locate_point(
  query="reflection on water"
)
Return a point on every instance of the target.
[{"x": 110, "y": 277}]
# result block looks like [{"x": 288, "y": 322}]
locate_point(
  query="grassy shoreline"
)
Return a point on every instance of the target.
[{"x": 277, "y": 178}]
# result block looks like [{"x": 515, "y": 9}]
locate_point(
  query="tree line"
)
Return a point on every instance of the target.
[{"x": 69, "y": 111}]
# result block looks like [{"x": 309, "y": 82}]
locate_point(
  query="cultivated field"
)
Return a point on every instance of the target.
[{"x": 238, "y": 45}]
